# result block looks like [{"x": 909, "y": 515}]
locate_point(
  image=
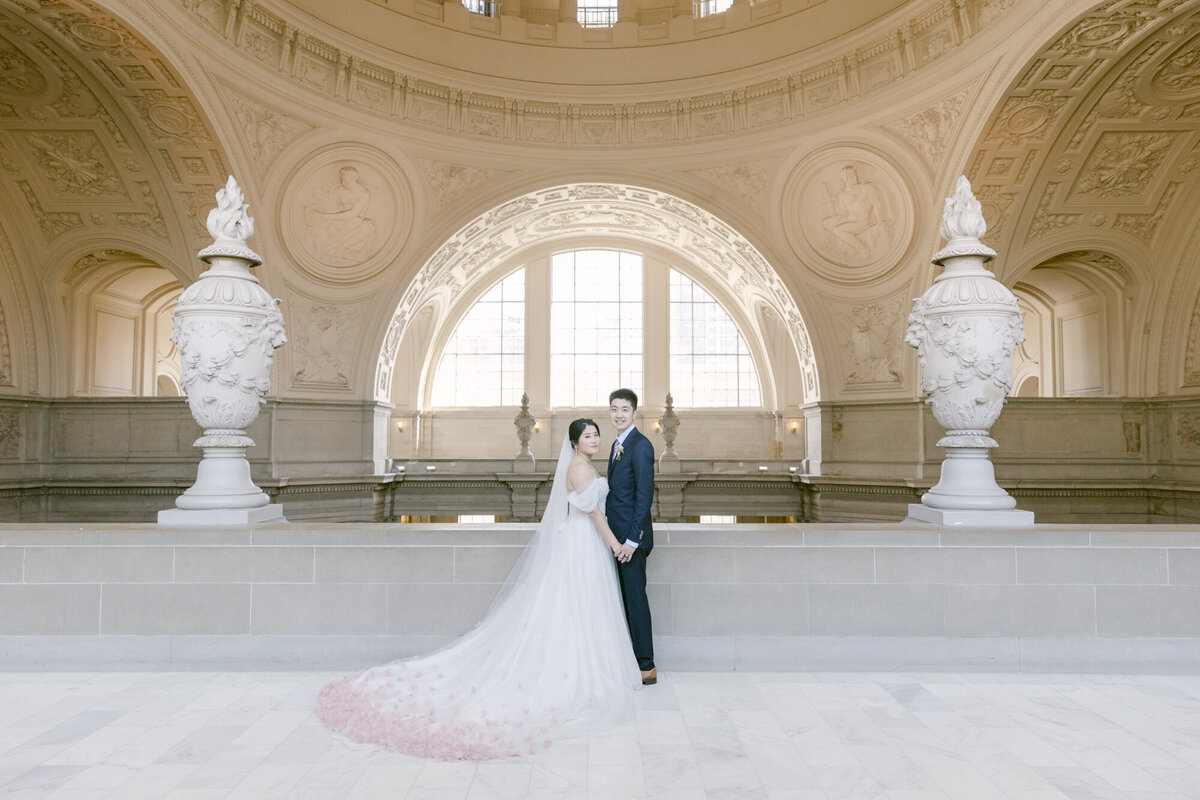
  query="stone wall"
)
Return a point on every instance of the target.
[{"x": 766, "y": 597}]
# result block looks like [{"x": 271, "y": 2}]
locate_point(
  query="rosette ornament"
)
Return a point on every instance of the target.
[
  {"x": 965, "y": 328},
  {"x": 227, "y": 328}
]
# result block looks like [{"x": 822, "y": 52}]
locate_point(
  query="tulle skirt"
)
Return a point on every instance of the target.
[{"x": 551, "y": 659}]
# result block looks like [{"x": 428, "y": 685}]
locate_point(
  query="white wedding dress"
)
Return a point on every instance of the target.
[{"x": 552, "y": 658}]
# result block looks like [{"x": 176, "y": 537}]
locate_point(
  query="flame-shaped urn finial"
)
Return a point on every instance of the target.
[
  {"x": 227, "y": 328},
  {"x": 965, "y": 328}
]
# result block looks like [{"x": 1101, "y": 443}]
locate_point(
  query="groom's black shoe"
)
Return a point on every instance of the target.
[{"x": 649, "y": 676}]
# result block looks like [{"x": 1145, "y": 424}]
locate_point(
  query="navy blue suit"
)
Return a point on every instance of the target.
[{"x": 630, "y": 496}]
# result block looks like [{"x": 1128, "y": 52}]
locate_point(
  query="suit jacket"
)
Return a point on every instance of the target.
[{"x": 631, "y": 491}]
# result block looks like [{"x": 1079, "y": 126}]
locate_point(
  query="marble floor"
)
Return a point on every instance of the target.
[{"x": 253, "y": 735}]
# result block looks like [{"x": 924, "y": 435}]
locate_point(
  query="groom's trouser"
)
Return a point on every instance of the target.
[{"x": 637, "y": 608}]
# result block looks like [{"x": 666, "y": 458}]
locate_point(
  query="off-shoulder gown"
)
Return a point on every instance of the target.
[{"x": 551, "y": 659}]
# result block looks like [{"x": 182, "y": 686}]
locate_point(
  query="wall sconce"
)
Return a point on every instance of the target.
[
  {"x": 795, "y": 426},
  {"x": 400, "y": 426},
  {"x": 537, "y": 426},
  {"x": 762, "y": 468},
  {"x": 657, "y": 426},
  {"x": 792, "y": 470},
  {"x": 430, "y": 467}
]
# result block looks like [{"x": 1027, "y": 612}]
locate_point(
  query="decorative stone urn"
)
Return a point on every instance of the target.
[
  {"x": 227, "y": 328},
  {"x": 669, "y": 460},
  {"x": 524, "y": 421},
  {"x": 965, "y": 328}
]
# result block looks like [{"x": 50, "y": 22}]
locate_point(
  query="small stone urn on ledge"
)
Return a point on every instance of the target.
[
  {"x": 524, "y": 461},
  {"x": 227, "y": 328},
  {"x": 965, "y": 329}
]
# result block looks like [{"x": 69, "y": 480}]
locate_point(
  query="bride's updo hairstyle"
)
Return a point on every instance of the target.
[{"x": 578, "y": 427}]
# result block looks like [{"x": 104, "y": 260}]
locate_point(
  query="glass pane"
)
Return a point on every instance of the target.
[
  {"x": 596, "y": 327},
  {"x": 483, "y": 362},
  {"x": 710, "y": 362}
]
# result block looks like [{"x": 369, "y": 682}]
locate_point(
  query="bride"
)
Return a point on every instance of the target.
[{"x": 552, "y": 657}]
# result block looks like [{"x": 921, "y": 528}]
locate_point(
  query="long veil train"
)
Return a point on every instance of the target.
[{"x": 551, "y": 657}]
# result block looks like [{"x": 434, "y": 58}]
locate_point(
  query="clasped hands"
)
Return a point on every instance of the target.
[{"x": 623, "y": 552}]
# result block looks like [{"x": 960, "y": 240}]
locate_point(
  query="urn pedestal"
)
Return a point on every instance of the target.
[
  {"x": 227, "y": 328},
  {"x": 965, "y": 328}
]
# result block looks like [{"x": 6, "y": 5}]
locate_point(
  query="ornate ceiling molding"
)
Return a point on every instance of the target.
[
  {"x": 575, "y": 210},
  {"x": 99, "y": 128},
  {"x": 269, "y": 34},
  {"x": 1099, "y": 138}
]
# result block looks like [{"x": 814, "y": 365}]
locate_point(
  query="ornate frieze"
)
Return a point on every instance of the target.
[{"x": 267, "y": 33}]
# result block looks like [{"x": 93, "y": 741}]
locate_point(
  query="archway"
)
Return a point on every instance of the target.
[{"x": 601, "y": 210}]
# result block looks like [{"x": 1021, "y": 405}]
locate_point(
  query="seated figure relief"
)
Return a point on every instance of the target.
[
  {"x": 855, "y": 221},
  {"x": 340, "y": 228}
]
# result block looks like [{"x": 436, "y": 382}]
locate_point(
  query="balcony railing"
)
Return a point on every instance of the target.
[
  {"x": 486, "y": 8},
  {"x": 597, "y": 16}
]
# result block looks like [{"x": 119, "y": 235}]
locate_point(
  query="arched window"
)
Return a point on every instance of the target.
[
  {"x": 710, "y": 362},
  {"x": 571, "y": 326},
  {"x": 483, "y": 362}
]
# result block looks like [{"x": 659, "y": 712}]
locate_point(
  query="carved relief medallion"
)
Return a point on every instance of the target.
[
  {"x": 1179, "y": 77},
  {"x": 346, "y": 213},
  {"x": 849, "y": 214},
  {"x": 20, "y": 77}
]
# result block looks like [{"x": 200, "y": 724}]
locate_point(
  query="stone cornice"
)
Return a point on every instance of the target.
[{"x": 809, "y": 83}]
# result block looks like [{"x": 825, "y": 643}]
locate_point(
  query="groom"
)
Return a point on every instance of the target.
[{"x": 630, "y": 494}]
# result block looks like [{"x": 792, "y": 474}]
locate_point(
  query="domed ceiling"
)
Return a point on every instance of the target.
[{"x": 653, "y": 42}]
